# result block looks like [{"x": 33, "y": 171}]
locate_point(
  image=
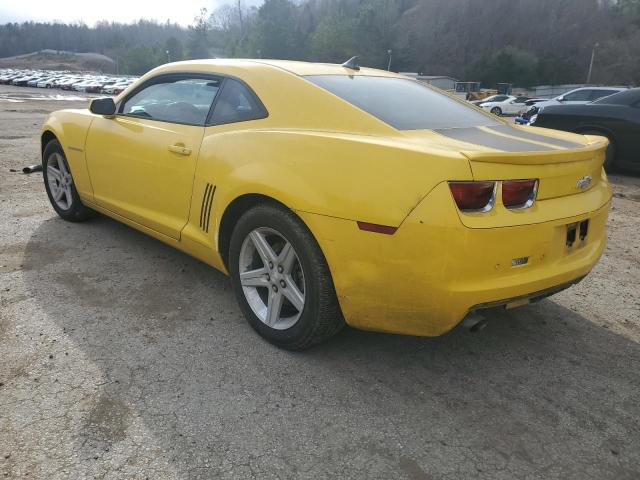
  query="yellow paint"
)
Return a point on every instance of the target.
[{"x": 333, "y": 164}]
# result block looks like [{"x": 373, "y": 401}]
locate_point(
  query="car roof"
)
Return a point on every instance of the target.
[
  {"x": 291, "y": 66},
  {"x": 598, "y": 88}
]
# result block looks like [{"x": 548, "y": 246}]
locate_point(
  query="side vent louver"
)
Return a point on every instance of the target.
[{"x": 205, "y": 210}]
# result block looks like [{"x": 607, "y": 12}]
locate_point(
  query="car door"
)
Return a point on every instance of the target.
[
  {"x": 511, "y": 107},
  {"x": 142, "y": 160}
]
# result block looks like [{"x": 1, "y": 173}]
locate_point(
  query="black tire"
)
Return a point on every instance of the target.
[
  {"x": 76, "y": 211},
  {"x": 497, "y": 111},
  {"x": 321, "y": 317},
  {"x": 610, "y": 154}
]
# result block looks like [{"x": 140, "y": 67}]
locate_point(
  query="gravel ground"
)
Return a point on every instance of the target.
[{"x": 122, "y": 358}]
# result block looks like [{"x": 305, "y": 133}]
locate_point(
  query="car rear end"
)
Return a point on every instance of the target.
[
  {"x": 521, "y": 228},
  {"x": 526, "y": 217}
]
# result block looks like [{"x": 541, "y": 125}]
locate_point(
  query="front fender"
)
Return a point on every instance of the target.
[{"x": 70, "y": 127}]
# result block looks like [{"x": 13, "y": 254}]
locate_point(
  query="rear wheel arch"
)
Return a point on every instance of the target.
[
  {"x": 232, "y": 214},
  {"x": 584, "y": 129}
]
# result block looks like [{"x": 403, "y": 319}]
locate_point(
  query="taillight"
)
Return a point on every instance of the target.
[
  {"x": 519, "y": 193},
  {"x": 473, "y": 196}
]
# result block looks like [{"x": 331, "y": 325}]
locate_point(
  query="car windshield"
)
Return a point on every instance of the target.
[
  {"x": 627, "y": 97},
  {"x": 403, "y": 103}
]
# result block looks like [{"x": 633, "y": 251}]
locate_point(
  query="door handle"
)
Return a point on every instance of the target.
[{"x": 180, "y": 149}]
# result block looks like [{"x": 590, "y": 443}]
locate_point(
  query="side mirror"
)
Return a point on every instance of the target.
[
  {"x": 103, "y": 106},
  {"x": 561, "y": 99}
]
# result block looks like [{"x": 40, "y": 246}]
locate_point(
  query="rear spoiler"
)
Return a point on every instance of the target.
[{"x": 596, "y": 145}]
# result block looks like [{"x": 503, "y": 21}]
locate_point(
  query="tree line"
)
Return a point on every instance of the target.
[{"x": 520, "y": 41}]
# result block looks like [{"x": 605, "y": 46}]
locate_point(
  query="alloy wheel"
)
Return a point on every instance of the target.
[
  {"x": 272, "y": 278},
  {"x": 60, "y": 181}
]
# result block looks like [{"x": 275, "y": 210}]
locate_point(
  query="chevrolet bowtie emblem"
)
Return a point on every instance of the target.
[{"x": 584, "y": 182}]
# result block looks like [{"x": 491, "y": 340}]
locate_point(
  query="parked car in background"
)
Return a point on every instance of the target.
[
  {"x": 616, "y": 117},
  {"x": 493, "y": 98},
  {"x": 22, "y": 81},
  {"x": 534, "y": 101},
  {"x": 7, "y": 78},
  {"x": 579, "y": 96},
  {"x": 505, "y": 105},
  {"x": 47, "y": 82},
  {"x": 66, "y": 80},
  {"x": 69, "y": 83},
  {"x": 34, "y": 82}
]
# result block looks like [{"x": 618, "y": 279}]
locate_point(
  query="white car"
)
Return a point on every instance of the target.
[
  {"x": 82, "y": 85},
  {"x": 579, "y": 96},
  {"x": 46, "y": 82},
  {"x": 504, "y": 105}
]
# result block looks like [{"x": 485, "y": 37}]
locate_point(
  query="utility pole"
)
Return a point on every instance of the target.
[
  {"x": 389, "y": 65},
  {"x": 593, "y": 56},
  {"x": 168, "y": 56}
]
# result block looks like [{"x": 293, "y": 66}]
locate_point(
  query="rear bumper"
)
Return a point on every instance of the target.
[{"x": 434, "y": 270}]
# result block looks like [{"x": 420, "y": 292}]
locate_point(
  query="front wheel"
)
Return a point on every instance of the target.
[
  {"x": 281, "y": 279},
  {"x": 59, "y": 185},
  {"x": 496, "y": 111}
]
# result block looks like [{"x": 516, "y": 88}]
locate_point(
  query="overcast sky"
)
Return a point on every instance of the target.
[{"x": 181, "y": 11}]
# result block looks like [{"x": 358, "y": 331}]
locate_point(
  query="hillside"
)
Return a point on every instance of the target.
[{"x": 61, "y": 60}]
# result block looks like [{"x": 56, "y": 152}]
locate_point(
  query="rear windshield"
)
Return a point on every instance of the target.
[{"x": 402, "y": 103}]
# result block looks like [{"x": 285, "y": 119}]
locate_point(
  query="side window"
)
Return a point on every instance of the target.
[
  {"x": 236, "y": 103},
  {"x": 602, "y": 93},
  {"x": 183, "y": 100},
  {"x": 579, "y": 96}
]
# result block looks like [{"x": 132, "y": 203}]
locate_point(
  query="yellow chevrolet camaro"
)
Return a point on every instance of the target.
[{"x": 335, "y": 194}]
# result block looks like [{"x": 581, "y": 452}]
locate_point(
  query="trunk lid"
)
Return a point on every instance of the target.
[
  {"x": 564, "y": 163},
  {"x": 560, "y": 173}
]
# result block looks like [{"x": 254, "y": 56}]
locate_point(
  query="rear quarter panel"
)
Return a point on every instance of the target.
[{"x": 355, "y": 177}]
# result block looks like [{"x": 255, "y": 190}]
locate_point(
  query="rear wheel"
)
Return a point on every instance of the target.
[
  {"x": 59, "y": 185},
  {"x": 281, "y": 279},
  {"x": 496, "y": 111},
  {"x": 610, "y": 154}
]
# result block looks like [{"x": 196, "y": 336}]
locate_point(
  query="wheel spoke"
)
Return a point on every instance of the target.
[
  {"x": 274, "y": 307},
  {"x": 287, "y": 258},
  {"x": 262, "y": 246},
  {"x": 254, "y": 278},
  {"x": 61, "y": 165},
  {"x": 293, "y": 294},
  {"x": 57, "y": 195},
  {"x": 54, "y": 173}
]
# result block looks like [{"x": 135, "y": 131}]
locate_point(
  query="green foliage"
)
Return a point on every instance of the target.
[
  {"x": 511, "y": 65},
  {"x": 630, "y": 9},
  {"x": 140, "y": 60},
  {"x": 375, "y": 30},
  {"x": 524, "y": 42},
  {"x": 174, "y": 48},
  {"x": 275, "y": 34},
  {"x": 334, "y": 39},
  {"x": 198, "y": 44}
]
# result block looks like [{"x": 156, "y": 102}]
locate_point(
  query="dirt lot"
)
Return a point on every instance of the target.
[{"x": 122, "y": 358}]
